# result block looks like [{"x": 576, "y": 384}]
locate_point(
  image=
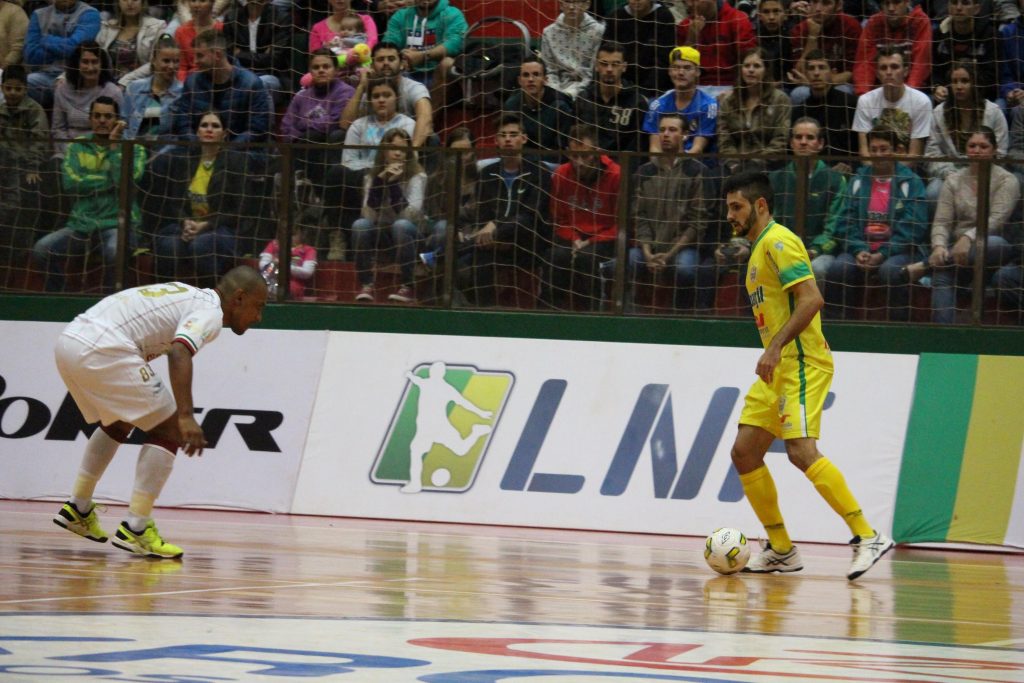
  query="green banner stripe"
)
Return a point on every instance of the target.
[
  {"x": 940, "y": 414},
  {"x": 988, "y": 475}
]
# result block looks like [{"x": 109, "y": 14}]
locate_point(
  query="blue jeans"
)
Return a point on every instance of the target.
[
  {"x": 945, "y": 281},
  {"x": 367, "y": 237},
  {"x": 684, "y": 265},
  {"x": 50, "y": 251},
  {"x": 844, "y": 276},
  {"x": 40, "y": 85},
  {"x": 212, "y": 252}
]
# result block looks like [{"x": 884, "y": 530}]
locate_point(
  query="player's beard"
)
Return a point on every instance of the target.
[{"x": 748, "y": 225}]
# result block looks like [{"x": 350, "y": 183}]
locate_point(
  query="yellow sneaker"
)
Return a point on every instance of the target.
[
  {"x": 87, "y": 526},
  {"x": 148, "y": 543}
]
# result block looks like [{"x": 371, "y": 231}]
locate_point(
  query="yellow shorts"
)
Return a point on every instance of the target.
[{"x": 790, "y": 407}]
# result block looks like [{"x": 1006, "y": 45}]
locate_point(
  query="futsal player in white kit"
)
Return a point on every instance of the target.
[{"x": 103, "y": 357}]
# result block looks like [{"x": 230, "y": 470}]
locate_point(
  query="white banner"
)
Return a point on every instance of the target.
[
  {"x": 588, "y": 435},
  {"x": 255, "y": 395}
]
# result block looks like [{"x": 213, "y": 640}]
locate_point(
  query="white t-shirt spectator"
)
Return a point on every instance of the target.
[{"x": 914, "y": 103}]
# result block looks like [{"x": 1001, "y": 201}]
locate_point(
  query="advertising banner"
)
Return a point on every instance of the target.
[
  {"x": 253, "y": 395},
  {"x": 587, "y": 435}
]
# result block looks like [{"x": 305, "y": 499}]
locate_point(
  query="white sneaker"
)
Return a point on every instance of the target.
[
  {"x": 404, "y": 295},
  {"x": 866, "y": 552},
  {"x": 768, "y": 561},
  {"x": 365, "y": 293}
]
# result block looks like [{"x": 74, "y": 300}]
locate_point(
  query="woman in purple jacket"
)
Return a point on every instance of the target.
[{"x": 314, "y": 112}]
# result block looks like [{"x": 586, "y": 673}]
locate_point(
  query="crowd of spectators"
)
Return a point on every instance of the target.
[{"x": 793, "y": 87}]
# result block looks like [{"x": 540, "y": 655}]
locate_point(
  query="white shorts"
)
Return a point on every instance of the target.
[{"x": 111, "y": 386}]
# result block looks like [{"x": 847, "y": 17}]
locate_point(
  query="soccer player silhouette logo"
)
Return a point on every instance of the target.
[{"x": 433, "y": 425}]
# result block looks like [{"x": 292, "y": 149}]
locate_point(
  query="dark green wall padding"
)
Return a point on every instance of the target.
[{"x": 888, "y": 338}]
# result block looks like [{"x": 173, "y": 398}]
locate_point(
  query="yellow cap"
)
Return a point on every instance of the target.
[{"x": 685, "y": 53}]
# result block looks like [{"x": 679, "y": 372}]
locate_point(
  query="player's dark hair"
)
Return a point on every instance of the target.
[{"x": 753, "y": 185}]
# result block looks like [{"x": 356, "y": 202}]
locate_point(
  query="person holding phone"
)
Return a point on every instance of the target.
[{"x": 91, "y": 174}]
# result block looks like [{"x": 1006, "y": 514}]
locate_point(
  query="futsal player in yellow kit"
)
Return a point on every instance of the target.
[{"x": 795, "y": 373}]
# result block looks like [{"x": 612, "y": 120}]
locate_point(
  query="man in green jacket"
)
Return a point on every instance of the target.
[
  {"x": 825, "y": 197},
  {"x": 91, "y": 174}
]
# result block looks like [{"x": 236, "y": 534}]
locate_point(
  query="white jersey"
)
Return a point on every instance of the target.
[{"x": 147, "y": 320}]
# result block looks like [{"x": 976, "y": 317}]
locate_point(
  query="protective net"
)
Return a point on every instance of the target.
[{"x": 569, "y": 156}]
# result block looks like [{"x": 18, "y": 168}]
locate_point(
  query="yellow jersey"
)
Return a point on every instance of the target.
[{"x": 778, "y": 260}]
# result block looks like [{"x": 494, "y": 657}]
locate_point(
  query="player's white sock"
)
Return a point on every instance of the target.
[
  {"x": 99, "y": 451},
  {"x": 151, "y": 473}
]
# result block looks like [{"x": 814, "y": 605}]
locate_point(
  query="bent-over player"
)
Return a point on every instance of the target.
[
  {"x": 103, "y": 357},
  {"x": 795, "y": 373}
]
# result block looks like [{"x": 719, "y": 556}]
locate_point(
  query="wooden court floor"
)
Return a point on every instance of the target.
[{"x": 275, "y": 597}]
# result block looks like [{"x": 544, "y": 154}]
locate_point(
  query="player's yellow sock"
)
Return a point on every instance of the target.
[
  {"x": 831, "y": 484},
  {"x": 760, "y": 490}
]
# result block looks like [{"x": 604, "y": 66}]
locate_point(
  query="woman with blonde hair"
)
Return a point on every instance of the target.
[{"x": 392, "y": 212}]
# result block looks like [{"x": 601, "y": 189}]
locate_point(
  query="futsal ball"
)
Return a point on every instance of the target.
[{"x": 726, "y": 551}]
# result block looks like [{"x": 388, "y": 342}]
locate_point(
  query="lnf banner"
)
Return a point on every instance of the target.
[{"x": 624, "y": 437}]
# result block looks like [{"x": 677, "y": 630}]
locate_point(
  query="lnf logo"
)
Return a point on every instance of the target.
[
  {"x": 453, "y": 442},
  {"x": 442, "y": 426},
  {"x": 651, "y": 422}
]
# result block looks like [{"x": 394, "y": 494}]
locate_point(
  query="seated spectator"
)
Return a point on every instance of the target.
[
  {"x": 302, "y": 266},
  {"x": 204, "y": 191},
  {"x": 832, "y": 33},
  {"x": 826, "y": 192},
  {"x": 965, "y": 36},
  {"x": 235, "y": 93},
  {"x": 258, "y": 36},
  {"x": 584, "y": 200},
  {"x": 437, "y": 202},
  {"x": 346, "y": 48},
  {"x": 430, "y": 33},
  {"x": 332, "y": 33},
  {"x": 313, "y": 114},
  {"x": 148, "y": 100},
  {"x": 956, "y": 120},
  {"x": 954, "y": 231},
  {"x": 906, "y": 30},
  {"x": 413, "y": 97},
  {"x": 87, "y": 76},
  {"x": 1011, "y": 62},
  {"x": 897, "y": 105},
  {"x": 614, "y": 108},
  {"x": 568, "y": 47},
  {"x": 392, "y": 213},
  {"x": 772, "y": 28},
  {"x": 92, "y": 174},
  {"x": 54, "y": 33},
  {"x": 670, "y": 214},
  {"x": 346, "y": 181},
  {"x": 506, "y": 222},
  {"x": 202, "y": 20},
  {"x": 24, "y": 158},
  {"x": 183, "y": 13},
  {"x": 832, "y": 107},
  {"x": 753, "y": 119},
  {"x": 646, "y": 30},
  {"x": 128, "y": 37},
  {"x": 13, "y": 29},
  {"x": 720, "y": 34},
  {"x": 698, "y": 109},
  {"x": 884, "y": 226},
  {"x": 545, "y": 112}
]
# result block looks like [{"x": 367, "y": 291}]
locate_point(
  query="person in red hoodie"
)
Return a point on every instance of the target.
[
  {"x": 584, "y": 206},
  {"x": 896, "y": 24},
  {"x": 721, "y": 34}
]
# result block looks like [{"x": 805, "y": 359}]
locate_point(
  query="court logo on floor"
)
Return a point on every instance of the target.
[{"x": 441, "y": 427}]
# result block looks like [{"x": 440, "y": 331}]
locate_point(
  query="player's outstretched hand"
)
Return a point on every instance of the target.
[{"x": 192, "y": 439}]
